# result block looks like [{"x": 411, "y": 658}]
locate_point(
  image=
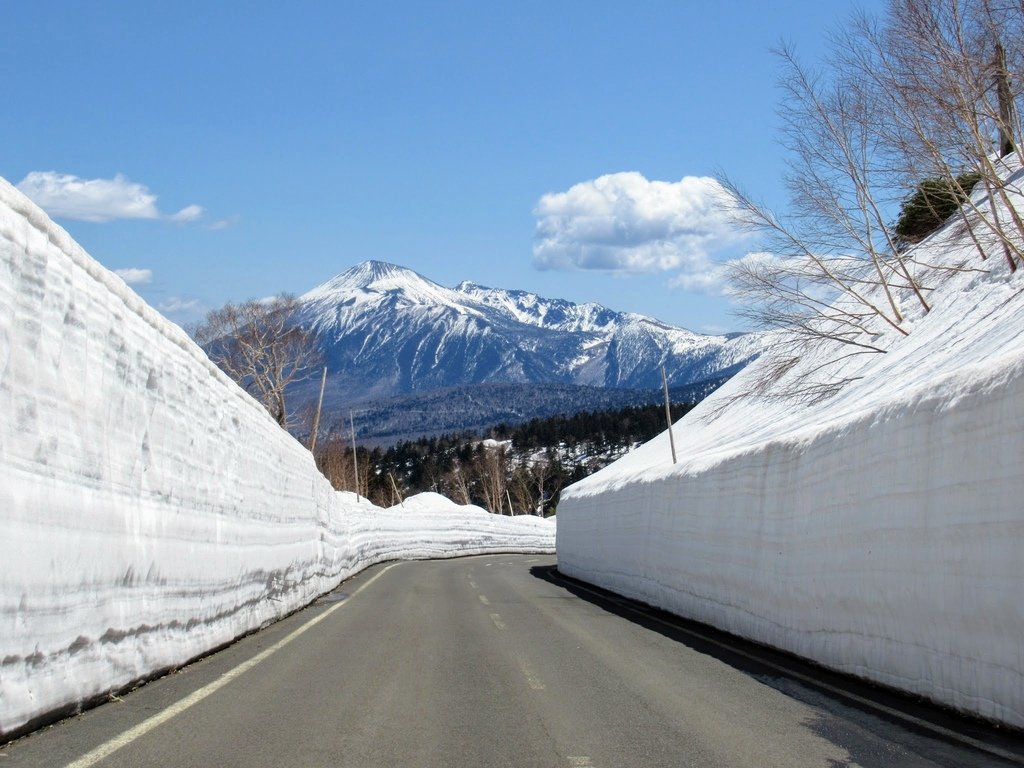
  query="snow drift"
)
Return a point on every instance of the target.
[
  {"x": 151, "y": 510},
  {"x": 879, "y": 532}
]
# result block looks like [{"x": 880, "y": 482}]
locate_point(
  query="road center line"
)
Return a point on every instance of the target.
[
  {"x": 496, "y": 618},
  {"x": 531, "y": 676},
  {"x": 484, "y": 600},
  {"x": 126, "y": 738}
]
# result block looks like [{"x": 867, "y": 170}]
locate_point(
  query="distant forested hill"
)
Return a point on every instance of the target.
[{"x": 522, "y": 466}]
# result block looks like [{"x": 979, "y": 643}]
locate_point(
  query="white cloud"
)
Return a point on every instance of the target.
[
  {"x": 624, "y": 222},
  {"x": 714, "y": 278},
  {"x": 183, "y": 310},
  {"x": 177, "y": 304},
  {"x": 710, "y": 281},
  {"x": 135, "y": 276},
  {"x": 223, "y": 223},
  {"x": 188, "y": 213},
  {"x": 63, "y": 195}
]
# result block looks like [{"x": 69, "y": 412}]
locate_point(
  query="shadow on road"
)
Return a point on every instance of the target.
[{"x": 846, "y": 706}]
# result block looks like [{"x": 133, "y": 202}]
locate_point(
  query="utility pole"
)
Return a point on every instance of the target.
[
  {"x": 668, "y": 413},
  {"x": 1005, "y": 95},
  {"x": 319, "y": 405},
  {"x": 398, "y": 493},
  {"x": 355, "y": 461}
]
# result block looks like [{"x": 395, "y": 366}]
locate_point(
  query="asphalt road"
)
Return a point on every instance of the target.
[{"x": 496, "y": 661}]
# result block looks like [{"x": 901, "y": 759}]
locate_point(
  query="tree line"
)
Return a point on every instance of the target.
[{"x": 510, "y": 469}]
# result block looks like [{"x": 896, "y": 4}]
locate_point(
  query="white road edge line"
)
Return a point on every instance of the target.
[
  {"x": 126, "y": 738},
  {"x": 484, "y": 600}
]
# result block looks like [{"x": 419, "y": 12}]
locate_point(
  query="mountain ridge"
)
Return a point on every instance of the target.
[{"x": 388, "y": 331}]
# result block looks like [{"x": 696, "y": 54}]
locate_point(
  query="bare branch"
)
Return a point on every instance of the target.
[{"x": 262, "y": 346}]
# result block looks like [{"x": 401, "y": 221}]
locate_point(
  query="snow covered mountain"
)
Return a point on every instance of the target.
[{"x": 387, "y": 330}]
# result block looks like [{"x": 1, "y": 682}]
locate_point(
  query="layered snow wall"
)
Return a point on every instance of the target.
[
  {"x": 151, "y": 510},
  {"x": 880, "y": 532}
]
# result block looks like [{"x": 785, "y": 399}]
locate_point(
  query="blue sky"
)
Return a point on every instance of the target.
[{"x": 221, "y": 151}]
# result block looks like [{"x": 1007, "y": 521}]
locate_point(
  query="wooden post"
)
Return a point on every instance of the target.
[
  {"x": 319, "y": 405},
  {"x": 511, "y": 512},
  {"x": 355, "y": 461},
  {"x": 1005, "y": 95},
  {"x": 668, "y": 414},
  {"x": 394, "y": 487}
]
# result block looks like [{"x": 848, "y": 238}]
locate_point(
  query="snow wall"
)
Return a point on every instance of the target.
[
  {"x": 151, "y": 511},
  {"x": 880, "y": 533}
]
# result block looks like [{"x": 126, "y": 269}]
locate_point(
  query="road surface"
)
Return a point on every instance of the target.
[{"x": 497, "y": 661}]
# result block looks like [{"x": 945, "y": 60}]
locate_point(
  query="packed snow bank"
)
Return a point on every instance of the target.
[
  {"x": 429, "y": 525},
  {"x": 150, "y": 510},
  {"x": 879, "y": 532}
]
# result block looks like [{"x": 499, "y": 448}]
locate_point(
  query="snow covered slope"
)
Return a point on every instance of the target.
[
  {"x": 879, "y": 532},
  {"x": 150, "y": 509}
]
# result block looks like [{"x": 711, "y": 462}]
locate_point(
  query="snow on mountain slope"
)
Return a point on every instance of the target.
[
  {"x": 150, "y": 509},
  {"x": 387, "y": 330},
  {"x": 365, "y": 283},
  {"x": 531, "y": 309},
  {"x": 878, "y": 532}
]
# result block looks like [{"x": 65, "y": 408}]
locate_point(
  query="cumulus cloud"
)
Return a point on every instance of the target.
[
  {"x": 135, "y": 276},
  {"x": 624, "y": 222},
  {"x": 65, "y": 196},
  {"x": 711, "y": 281},
  {"x": 714, "y": 278}
]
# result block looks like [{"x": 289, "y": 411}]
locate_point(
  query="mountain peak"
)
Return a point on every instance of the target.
[
  {"x": 374, "y": 282},
  {"x": 368, "y": 274},
  {"x": 378, "y": 269},
  {"x": 372, "y": 277}
]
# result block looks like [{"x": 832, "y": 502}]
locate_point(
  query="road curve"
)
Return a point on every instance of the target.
[{"x": 491, "y": 661}]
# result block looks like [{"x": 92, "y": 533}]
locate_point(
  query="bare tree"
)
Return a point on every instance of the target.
[
  {"x": 521, "y": 488},
  {"x": 260, "y": 345},
  {"x": 458, "y": 484},
  {"x": 930, "y": 93},
  {"x": 543, "y": 476},
  {"x": 491, "y": 467},
  {"x": 334, "y": 460},
  {"x": 947, "y": 103},
  {"x": 531, "y": 484},
  {"x": 831, "y": 277}
]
